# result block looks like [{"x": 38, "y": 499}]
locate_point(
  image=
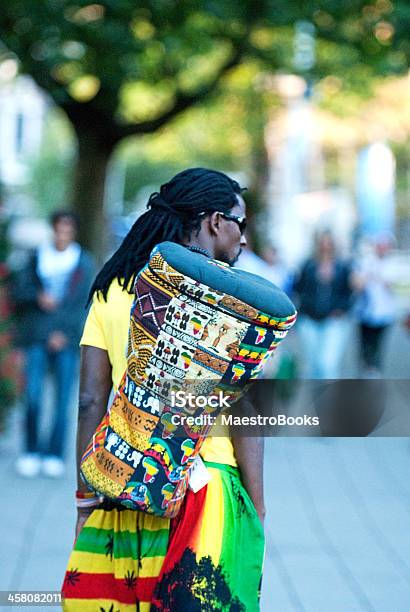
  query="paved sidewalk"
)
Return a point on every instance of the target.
[
  {"x": 337, "y": 526},
  {"x": 37, "y": 523}
]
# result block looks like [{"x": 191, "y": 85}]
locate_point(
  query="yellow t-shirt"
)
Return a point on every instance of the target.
[{"x": 106, "y": 328}]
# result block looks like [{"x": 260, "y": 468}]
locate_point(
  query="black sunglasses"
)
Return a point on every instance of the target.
[{"x": 240, "y": 221}]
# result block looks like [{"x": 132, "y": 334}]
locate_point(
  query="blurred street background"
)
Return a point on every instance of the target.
[{"x": 309, "y": 107}]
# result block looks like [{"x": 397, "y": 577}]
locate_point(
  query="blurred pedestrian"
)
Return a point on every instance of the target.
[
  {"x": 376, "y": 306},
  {"x": 269, "y": 266},
  {"x": 51, "y": 294},
  {"x": 277, "y": 272},
  {"x": 250, "y": 262},
  {"x": 324, "y": 296}
]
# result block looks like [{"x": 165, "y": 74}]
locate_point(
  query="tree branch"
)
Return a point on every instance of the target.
[{"x": 183, "y": 101}]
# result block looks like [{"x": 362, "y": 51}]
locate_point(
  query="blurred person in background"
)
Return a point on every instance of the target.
[
  {"x": 277, "y": 271},
  {"x": 376, "y": 305},
  {"x": 269, "y": 266},
  {"x": 324, "y": 296},
  {"x": 250, "y": 262},
  {"x": 50, "y": 295}
]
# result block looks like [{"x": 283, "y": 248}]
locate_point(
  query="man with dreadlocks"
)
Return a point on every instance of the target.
[{"x": 125, "y": 559}]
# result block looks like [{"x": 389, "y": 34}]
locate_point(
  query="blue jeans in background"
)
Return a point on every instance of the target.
[
  {"x": 323, "y": 345},
  {"x": 62, "y": 365}
]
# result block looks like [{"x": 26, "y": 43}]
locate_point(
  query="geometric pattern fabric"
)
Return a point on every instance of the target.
[{"x": 186, "y": 337}]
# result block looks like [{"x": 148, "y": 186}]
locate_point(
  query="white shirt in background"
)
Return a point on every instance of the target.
[
  {"x": 377, "y": 305},
  {"x": 55, "y": 267}
]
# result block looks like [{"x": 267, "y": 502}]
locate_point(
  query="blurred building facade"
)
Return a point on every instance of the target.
[
  {"x": 23, "y": 107},
  {"x": 299, "y": 200}
]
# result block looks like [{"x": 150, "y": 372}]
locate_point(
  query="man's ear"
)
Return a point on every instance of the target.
[{"x": 214, "y": 221}]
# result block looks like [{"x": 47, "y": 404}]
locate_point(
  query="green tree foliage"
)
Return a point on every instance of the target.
[
  {"x": 119, "y": 68},
  {"x": 9, "y": 359},
  {"x": 50, "y": 171}
]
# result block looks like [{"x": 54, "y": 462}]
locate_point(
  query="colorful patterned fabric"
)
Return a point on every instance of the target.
[
  {"x": 125, "y": 560},
  {"x": 107, "y": 327},
  {"x": 184, "y": 336}
]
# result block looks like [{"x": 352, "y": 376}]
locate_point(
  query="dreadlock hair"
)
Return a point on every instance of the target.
[{"x": 173, "y": 214}]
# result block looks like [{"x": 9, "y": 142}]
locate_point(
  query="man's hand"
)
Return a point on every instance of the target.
[
  {"x": 261, "y": 512},
  {"x": 57, "y": 341},
  {"x": 249, "y": 455},
  {"x": 82, "y": 515},
  {"x": 46, "y": 301}
]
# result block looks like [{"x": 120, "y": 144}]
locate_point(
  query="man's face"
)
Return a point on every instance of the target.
[
  {"x": 229, "y": 241},
  {"x": 64, "y": 233}
]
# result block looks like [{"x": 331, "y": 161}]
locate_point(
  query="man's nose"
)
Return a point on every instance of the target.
[{"x": 243, "y": 242}]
